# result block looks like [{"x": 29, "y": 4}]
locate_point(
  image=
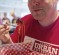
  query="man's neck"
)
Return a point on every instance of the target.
[{"x": 49, "y": 20}]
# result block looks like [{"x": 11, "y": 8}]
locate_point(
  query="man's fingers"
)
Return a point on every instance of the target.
[
  {"x": 2, "y": 30},
  {"x": 6, "y": 31},
  {"x": 2, "y": 26}
]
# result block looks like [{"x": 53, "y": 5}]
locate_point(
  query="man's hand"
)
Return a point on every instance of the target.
[{"x": 4, "y": 33}]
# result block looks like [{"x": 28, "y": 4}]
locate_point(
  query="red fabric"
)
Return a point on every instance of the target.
[
  {"x": 33, "y": 29},
  {"x": 14, "y": 36},
  {"x": 48, "y": 34},
  {"x": 17, "y": 49},
  {"x": 18, "y": 34}
]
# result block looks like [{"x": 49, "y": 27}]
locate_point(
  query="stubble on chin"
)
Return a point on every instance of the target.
[{"x": 39, "y": 15}]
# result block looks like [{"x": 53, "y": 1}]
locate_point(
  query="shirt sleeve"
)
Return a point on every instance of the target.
[{"x": 14, "y": 36}]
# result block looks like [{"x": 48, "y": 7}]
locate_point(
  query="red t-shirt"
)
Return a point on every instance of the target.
[
  {"x": 33, "y": 29},
  {"x": 48, "y": 36}
]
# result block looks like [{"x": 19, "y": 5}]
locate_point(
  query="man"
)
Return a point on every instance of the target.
[
  {"x": 5, "y": 19},
  {"x": 15, "y": 18},
  {"x": 41, "y": 24}
]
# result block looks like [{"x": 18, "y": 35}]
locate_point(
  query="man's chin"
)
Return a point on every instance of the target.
[{"x": 39, "y": 18}]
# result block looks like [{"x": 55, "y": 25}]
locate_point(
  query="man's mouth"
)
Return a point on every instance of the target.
[{"x": 36, "y": 10}]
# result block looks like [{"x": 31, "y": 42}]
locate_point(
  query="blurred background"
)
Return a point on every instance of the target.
[
  {"x": 11, "y": 10},
  {"x": 19, "y": 7}
]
